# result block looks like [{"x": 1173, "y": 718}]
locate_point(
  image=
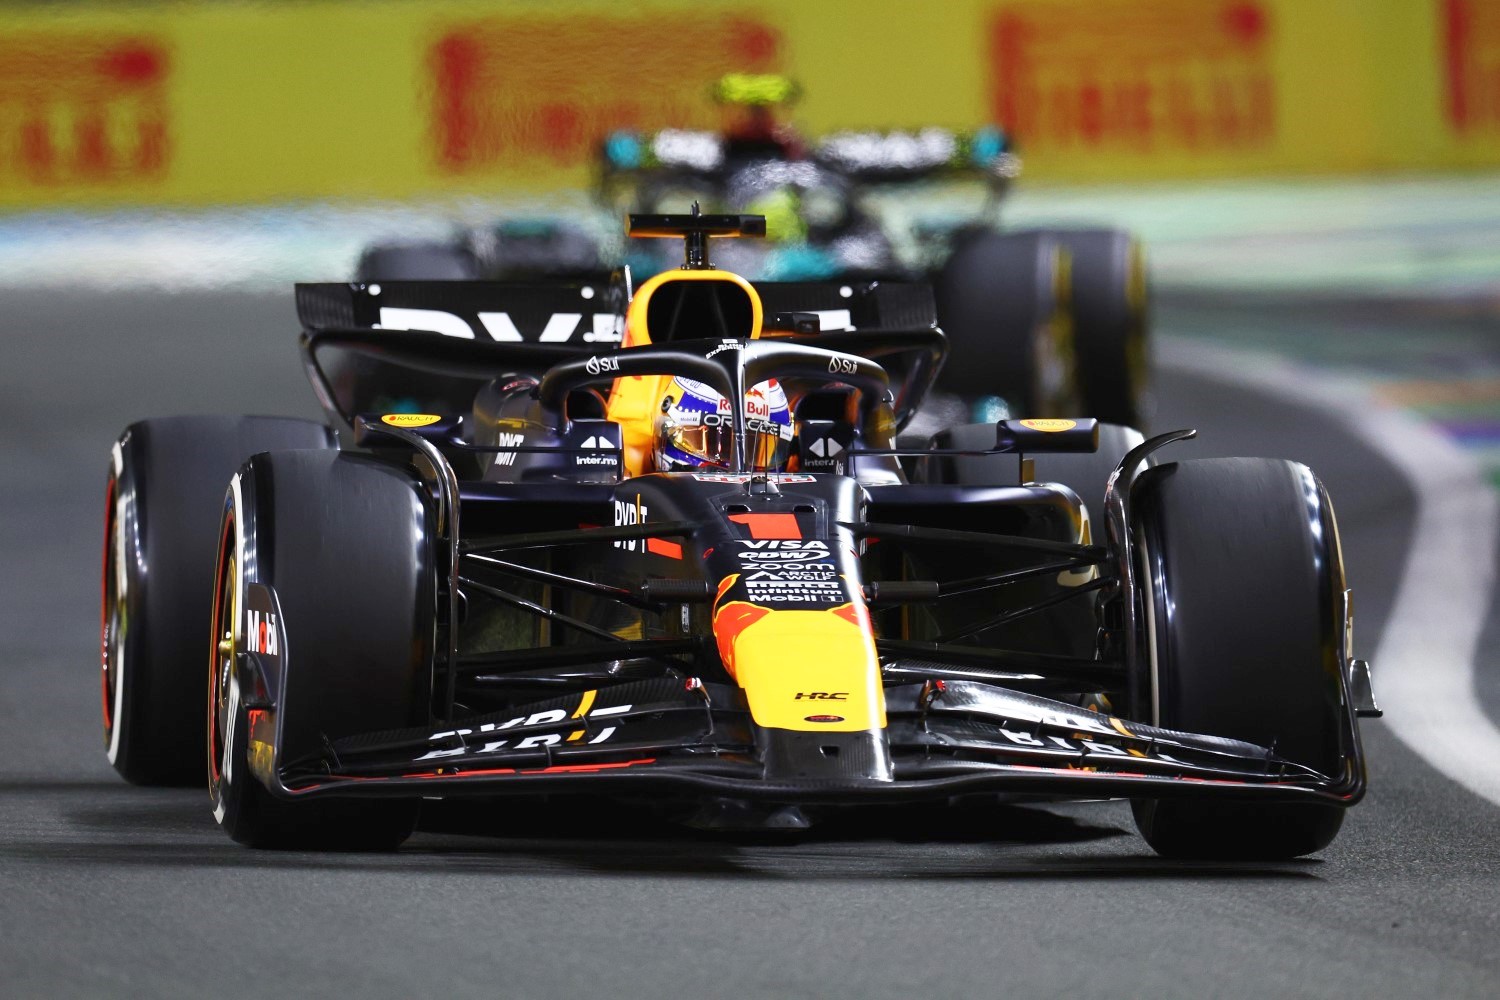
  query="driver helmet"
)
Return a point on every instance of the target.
[{"x": 695, "y": 429}]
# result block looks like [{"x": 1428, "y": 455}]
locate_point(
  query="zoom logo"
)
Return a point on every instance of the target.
[
  {"x": 596, "y": 365},
  {"x": 843, "y": 366}
]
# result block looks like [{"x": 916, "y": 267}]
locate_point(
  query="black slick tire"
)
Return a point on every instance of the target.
[
  {"x": 1243, "y": 582},
  {"x": 1002, "y": 301},
  {"x": 162, "y": 502},
  {"x": 1110, "y": 326},
  {"x": 344, "y": 542}
]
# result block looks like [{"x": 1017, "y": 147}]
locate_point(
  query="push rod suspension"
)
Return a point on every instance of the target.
[
  {"x": 560, "y": 580},
  {"x": 1014, "y": 614},
  {"x": 1001, "y": 661},
  {"x": 616, "y": 649},
  {"x": 577, "y": 536},
  {"x": 516, "y": 601},
  {"x": 1073, "y": 551}
]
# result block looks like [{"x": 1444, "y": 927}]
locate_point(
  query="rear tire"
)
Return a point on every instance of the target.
[
  {"x": 1002, "y": 301},
  {"x": 1243, "y": 584},
  {"x": 344, "y": 543},
  {"x": 163, "y": 497},
  {"x": 1110, "y": 333}
]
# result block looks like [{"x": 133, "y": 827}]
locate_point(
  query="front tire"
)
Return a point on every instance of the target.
[
  {"x": 344, "y": 544},
  {"x": 1243, "y": 583}
]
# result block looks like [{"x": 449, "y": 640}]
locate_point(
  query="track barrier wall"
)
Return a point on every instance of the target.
[{"x": 215, "y": 104}]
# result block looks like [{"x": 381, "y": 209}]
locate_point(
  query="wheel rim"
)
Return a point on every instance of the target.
[
  {"x": 1150, "y": 589},
  {"x": 222, "y": 652},
  {"x": 112, "y": 617},
  {"x": 1137, "y": 361},
  {"x": 1056, "y": 390}
]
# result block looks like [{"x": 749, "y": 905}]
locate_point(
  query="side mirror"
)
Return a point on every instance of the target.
[{"x": 1048, "y": 434}]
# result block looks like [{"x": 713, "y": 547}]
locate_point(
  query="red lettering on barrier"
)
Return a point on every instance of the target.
[
  {"x": 1471, "y": 64},
  {"x": 77, "y": 108},
  {"x": 544, "y": 91},
  {"x": 1147, "y": 76}
]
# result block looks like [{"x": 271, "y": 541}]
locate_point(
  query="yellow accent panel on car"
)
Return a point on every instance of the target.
[
  {"x": 1051, "y": 425},
  {"x": 636, "y": 332},
  {"x": 634, "y": 401},
  {"x": 633, "y": 404},
  {"x": 410, "y": 419},
  {"x": 796, "y": 664}
]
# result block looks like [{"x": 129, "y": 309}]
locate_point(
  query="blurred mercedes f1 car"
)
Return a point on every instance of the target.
[
  {"x": 1063, "y": 309},
  {"x": 703, "y": 570}
]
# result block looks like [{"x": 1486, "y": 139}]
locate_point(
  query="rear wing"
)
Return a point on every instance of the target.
[
  {"x": 987, "y": 152},
  {"x": 430, "y": 346},
  {"x": 586, "y": 313},
  {"x": 590, "y": 313},
  {"x": 930, "y": 152}
]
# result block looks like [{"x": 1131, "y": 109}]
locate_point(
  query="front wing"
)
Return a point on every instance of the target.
[{"x": 680, "y": 736}]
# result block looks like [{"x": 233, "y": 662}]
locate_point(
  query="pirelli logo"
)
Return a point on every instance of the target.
[
  {"x": 1146, "y": 76},
  {"x": 81, "y": 108},
  {"x": 543, "y": 90}
]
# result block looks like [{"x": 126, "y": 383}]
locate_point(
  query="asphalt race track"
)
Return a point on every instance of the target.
[{"x": 109, "y": 890}]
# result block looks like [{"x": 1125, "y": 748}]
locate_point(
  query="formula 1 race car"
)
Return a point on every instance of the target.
[
  {"x": 1065, "y": 308},
  {"x": 702, "y": 569}
]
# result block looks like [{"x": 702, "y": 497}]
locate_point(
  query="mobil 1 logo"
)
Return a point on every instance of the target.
[
  {"x": 794, "y": 586},
  {"x": 790, "y": 572},
  {"x": 264, "y": 633}
]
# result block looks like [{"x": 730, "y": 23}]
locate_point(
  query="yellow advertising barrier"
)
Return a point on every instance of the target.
[{"x": 223, "y": 103}]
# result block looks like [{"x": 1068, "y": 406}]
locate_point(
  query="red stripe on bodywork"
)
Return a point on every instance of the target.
[
  {"x": 662, "y": 547},
  {"x": 554, "y": 769},
  {"x": 767, "y": 526}
]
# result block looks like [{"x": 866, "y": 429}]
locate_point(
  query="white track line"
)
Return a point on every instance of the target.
[{"x": 1424, "y": 666}]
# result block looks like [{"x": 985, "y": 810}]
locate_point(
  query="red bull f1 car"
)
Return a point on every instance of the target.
[{"x": 708, "y": 568}]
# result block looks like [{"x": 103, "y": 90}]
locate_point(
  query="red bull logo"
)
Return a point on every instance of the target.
[
  {"x": 756, "y": 404},
  {"x": 83, "y": 108},
  {"x": 528, "y": 91},
  {"x": 1135, "y": 75}
]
